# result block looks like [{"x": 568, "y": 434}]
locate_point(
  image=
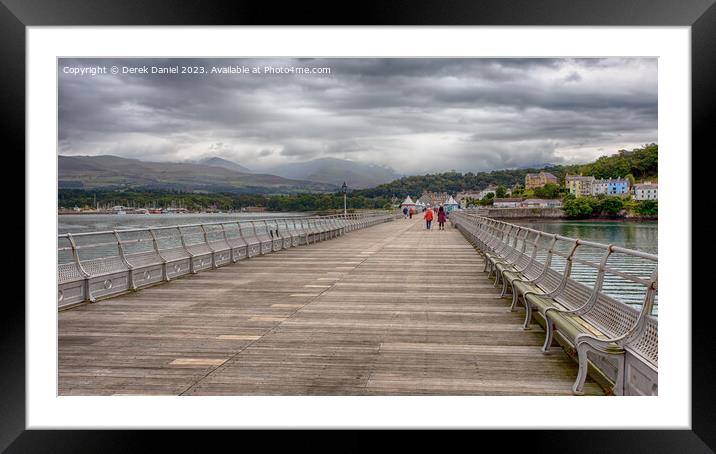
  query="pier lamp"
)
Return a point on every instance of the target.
[{"x": 344, "y": 189}]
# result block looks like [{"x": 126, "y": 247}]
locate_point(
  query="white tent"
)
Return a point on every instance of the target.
[
  {"x": 408, "y": 202},
  {"x": 450, "y": 204}
]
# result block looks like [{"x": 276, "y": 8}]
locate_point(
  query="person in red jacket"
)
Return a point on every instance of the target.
[
  {"x": 411, "y": 212},
  {"x": 428, "y": 216},
  {"x": 441, "y": 219}
]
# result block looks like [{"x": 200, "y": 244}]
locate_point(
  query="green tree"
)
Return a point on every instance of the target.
[
  {"x": 648, "y": 207},
  {"x": 500, "y": 192},
  {"x": 577, "y": 207},
  {"x": 548, "y": 191},
  {"x": 612, "y": 205},
  {"x": 488, "y": 199},
  {"x": 630, "y": 178}
]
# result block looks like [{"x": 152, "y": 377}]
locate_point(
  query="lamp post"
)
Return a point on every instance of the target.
[{"x": 344, "y": 189}]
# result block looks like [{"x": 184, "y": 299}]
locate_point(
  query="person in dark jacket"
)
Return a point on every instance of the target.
[{"x": 441, "y": 219}]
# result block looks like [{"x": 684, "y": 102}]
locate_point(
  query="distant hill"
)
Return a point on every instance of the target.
[
  {"x": 640, "y": 163},
  {"x": 335, "y": 171},
  {"x": 223, "y": 163},
  {"x": 114, "y": 172}
]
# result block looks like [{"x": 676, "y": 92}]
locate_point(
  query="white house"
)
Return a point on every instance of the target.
[
  {"x": 488, "y": 190},
  {"x": 541, "y": 203},
  {"x": 646, "y": 191},
  {"x": 506, "y": 203}
]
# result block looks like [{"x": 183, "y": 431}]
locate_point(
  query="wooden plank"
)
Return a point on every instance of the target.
[
  {"x": 388, "y": 310},
  {"x": 197, "y": 362}
]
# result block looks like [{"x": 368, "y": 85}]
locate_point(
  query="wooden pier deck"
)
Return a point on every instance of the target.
[{"x": 389, "y": 310}]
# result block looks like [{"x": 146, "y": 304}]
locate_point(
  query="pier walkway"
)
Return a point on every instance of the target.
[{"x": 388, "y": 310}]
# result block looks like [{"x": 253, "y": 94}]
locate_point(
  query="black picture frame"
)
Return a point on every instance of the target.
[{"x": 700, "y": 15}]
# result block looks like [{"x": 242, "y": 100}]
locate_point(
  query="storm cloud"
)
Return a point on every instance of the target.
[{"x": 414, "y": 115}]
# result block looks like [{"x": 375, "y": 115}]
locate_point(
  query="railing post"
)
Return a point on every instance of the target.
[
  {"x": 183, "y": 245},
  {"x": 155, "y": 243},
  {"x": 78, "y": 262},
  {"x": 120, "y": 249},
  {"x": 226, "y": 239},
  {"x": 206, "y": 241}
]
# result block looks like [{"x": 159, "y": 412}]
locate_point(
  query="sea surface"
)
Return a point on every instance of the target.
[{"x": 641, "y": 236}]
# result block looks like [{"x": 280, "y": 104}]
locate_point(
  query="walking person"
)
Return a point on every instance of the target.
[
  {"x": 428, "y": 218},
  {"x": 405, "y": 212},
  {"x": 441, "y": 219},
  {"x": 411, "y": 212}
]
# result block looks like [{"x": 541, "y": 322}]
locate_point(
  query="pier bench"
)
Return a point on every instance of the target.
[
  {"x": 248, "y": 233},
  {"x": 261, "y": 232},
  {"x": 238, "y": 245},
  {"x": 288, "y": 232},
  {"x": 194, "y": 242},
  {"x": 215, "y": 237},
  {"x": 567, "y": 283}
]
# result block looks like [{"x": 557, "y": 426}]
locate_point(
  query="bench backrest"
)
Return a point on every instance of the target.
[{"x": 612, "y": 288}]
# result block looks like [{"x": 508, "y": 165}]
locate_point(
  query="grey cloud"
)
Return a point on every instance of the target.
[{"x": 416, "y": 115}]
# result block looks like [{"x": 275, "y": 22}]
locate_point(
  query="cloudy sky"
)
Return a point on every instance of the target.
[{"x": 414, "y": 115}]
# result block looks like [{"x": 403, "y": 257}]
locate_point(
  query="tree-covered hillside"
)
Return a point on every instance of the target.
[{"x": 639, "y": 162}]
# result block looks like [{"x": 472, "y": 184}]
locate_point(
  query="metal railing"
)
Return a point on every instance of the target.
[
  {"x": 599, "y": 298},
  {"x": 99, "y": 265}
]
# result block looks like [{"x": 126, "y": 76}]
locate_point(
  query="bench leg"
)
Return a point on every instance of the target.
[
  {"x": 578, "y": 387},
  {"x": 504, "y": 287},
  {"x": 549, "y": 335},
  {"x": 528, "y": 315},
  {"x": 619, "y": 383},
  {"x": 515, "y": 300}
]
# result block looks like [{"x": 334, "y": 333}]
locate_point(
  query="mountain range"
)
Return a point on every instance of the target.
[
  {"x": 217, "y": 174},
  {"x": 223, "y": 163},
  {"x": 357, "y": 175}
]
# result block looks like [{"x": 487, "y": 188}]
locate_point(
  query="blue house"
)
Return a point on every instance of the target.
[{"x": 617, "y": 186}]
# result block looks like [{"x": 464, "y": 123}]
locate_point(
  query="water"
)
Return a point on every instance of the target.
[
  {"x": 641, "y": 236},
  {"x": 79, "y": 223}
]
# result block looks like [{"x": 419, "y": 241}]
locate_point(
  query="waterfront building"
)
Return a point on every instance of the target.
[
  {"x": 600, "y": 187},
  {"x": 433, "y": 199},
  {"x": 541, "y": 203},
  {"x": 537, "y": 180},
  {"x": 506, "y": 203},
  {"x": 610, "y": 187},
  {"x": 578, "y": 185},
  {"x": 488, "y": 190},
  {"x": 617, "y": 186},
  {"x": 462, "y": 197},
  {"x": 646, "y": 191}
]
